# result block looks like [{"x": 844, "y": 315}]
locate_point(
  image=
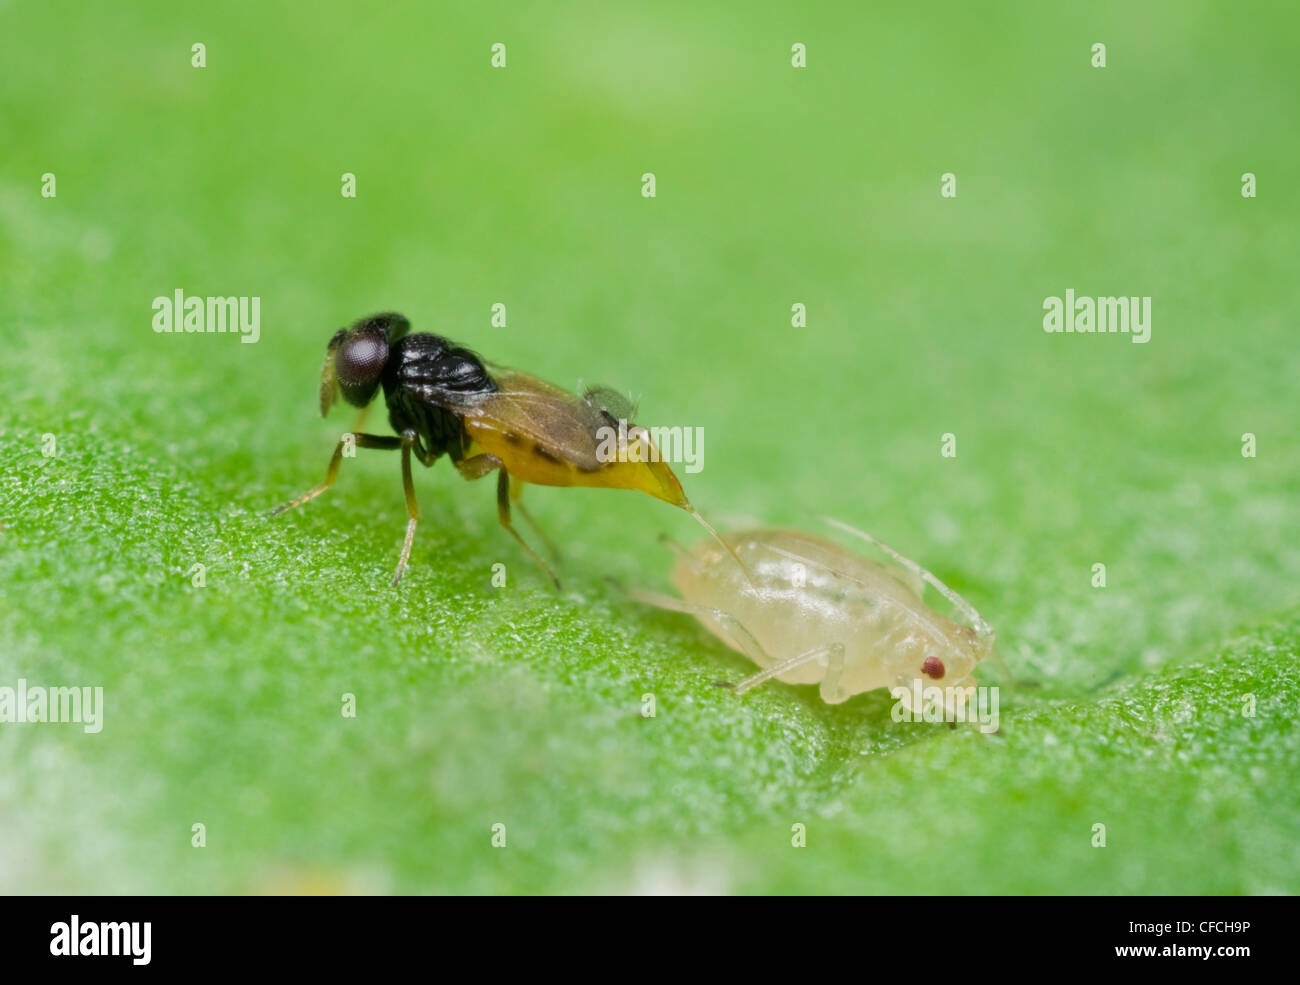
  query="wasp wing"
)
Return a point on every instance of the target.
[
  {"x": 559, "y": 424},
  {"x": 548, "y": 436},
  {"x": 611, "y": 404}
]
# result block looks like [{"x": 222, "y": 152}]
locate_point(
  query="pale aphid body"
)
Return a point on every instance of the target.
[{"x": 809, "y": 611}]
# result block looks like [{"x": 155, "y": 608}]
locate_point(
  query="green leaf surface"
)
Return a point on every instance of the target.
[{"x": 1161, "y": 706}]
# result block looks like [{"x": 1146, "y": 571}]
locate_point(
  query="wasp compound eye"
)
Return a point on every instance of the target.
[
  {"x": 390, "y": 325},
  {"x": 932, "y": 667},
  {"x": 359, "y": 366}
]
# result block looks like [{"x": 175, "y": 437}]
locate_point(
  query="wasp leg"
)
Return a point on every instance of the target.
[
  {"x": 481, "y": 465},
  {"x": 830, "y": 687},
  {"x": 478, "y": 466},
  {"x": 362, "y": 440},
  {"x": 360, "y": 423},
  {"x": 516, "y": 491},
  {"x": 742, "y": 638},
  {"x": 503, "y": 514},
  {"x": 409, "y": 440}
]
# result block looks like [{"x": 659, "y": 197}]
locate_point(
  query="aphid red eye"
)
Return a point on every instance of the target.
[{"x": 933, "y": 667}]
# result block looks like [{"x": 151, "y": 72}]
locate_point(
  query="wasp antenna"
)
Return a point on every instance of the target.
[
  {"x": 725, "y": 546},
  {"x": 977, "y": 621}
]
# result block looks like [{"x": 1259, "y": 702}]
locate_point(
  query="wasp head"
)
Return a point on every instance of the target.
[{"x": 356, "y": 357}]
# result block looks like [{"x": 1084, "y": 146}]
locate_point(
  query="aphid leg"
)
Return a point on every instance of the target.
[
  {"x": 683, "y": 554},
  {"x": 332, "y": 472},
  {"x": 830, "y": 685},
  {"x": 964, "y": 607},
  {"x": 412, "y": 507},
  {"x": 744, "y": 639},
  {"x": 1002, "y": 667},
  {"x": 503, "y": 514},
  {"x": 833, "y": 654}
]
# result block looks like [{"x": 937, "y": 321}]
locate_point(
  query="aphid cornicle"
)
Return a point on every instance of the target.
[
  {"x": 813, "y": 612},
  {"x": 443, "y": 399}
]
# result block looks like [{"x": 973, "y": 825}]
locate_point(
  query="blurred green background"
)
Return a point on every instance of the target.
[{"x": 775, "y": 185}]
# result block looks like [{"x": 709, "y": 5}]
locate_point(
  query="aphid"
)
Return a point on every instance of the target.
[
  {"x": 443, "y": 399},
  {"x": 813, "y": 612}
]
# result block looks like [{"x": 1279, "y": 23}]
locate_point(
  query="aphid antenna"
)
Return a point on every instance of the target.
[
  {"x": 1002, "y": 666},
  {"x": 673, "y": 546},
  {"x": 982, "y": 628},
  {"x": 725, "y": 546}
]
